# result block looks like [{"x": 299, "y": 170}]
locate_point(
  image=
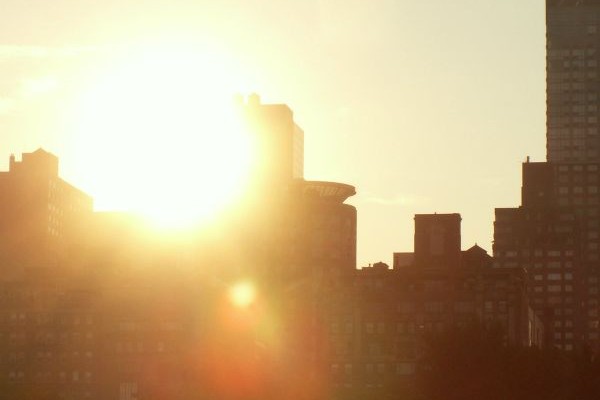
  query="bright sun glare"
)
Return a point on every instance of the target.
[
  {"x": 242, "y": 294},
  {"x": 158, "y": 135}
]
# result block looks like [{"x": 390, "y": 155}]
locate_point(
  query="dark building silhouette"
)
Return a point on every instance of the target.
[
  {"x": 41, "y": 215},
  {"x": 573, "y": 81},
  {"x": 378, "y": 325},
  {"x": 437, "y": 240},
  {"x": 50, "y": 342},
  {"x": 317, "y": 230},
  {"x": 555, "y": 233}
]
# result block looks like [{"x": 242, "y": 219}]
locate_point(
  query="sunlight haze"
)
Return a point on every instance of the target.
[
  {"x": 422, "y": 106},
  {"x": 177, "y": 152}
]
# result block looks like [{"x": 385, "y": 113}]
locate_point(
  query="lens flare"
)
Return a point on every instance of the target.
[{"x": 242, "y": 294}]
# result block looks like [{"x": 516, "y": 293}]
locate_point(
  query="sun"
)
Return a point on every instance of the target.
[{"x": 158, "y": 134}]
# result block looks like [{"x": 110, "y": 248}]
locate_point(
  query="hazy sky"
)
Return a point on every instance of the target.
[{"x": 424, "y": 106}]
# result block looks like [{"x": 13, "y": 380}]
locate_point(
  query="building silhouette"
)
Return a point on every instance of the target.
[
  {"x": 378, "y": 325},
  {"x": 122, "y": 314},
  {"x": 555, "y": 233},
  {"x": 42, "y": 215},
  {"x": 573, "y": 69},
  {"x": 437, "y": 240}
]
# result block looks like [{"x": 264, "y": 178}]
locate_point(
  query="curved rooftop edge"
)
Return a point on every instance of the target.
[{"x": 327, "y": 191}]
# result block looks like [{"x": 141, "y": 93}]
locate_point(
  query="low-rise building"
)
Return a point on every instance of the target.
[{"x": 379, "y": 326}]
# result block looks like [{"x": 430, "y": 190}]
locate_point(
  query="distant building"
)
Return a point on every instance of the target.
[
  {"x": 277, "y": 139},
  {"x": 437, "y": 240},
  {"x": 322, "y": 226},
  {"x": 555, "y": 236},
  {"x": 40, "y": 213},
  {"x": 291, "y": 227},
  {"x": 378, "y": 324},
  {"x": 573, "y": 80},
  {"x": 555, "y": 233},
  {"x": 135, "y": 316}
]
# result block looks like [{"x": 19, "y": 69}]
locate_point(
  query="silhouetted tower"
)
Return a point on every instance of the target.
[
  {"x": 437, "y": 240},
  {"x": 278, "y": 141},
  {"x": 41, "y": 214},
  {"x": 573, "y": 80},
  {"x": 555, "y": 233}
]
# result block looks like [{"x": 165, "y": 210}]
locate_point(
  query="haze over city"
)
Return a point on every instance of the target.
[
  {"x": 422, "y": 106},
  {"x": 262, "y": 200}
]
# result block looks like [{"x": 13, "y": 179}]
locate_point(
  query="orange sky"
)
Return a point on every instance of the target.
[{"x": 423, "y": 106}]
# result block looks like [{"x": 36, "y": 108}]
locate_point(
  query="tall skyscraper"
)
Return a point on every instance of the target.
[
  {"x": 573, "y": 83},
  {"x": 555, "y": 233}
]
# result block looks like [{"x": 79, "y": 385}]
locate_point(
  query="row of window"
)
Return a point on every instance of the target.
[
  {"x": 553, "y": 65},
  {"x": 403, "y": 368},
  {"x": 555, "y": 134},
  {"x": 558, "y": 53},
  {"x": 556, "y": 76},
  {"x": 536, "y": 253},
  {"x": 553, "y": 289},
  {"x": 138, "y": 347},
  {"x": 562, "y": 190},
  {"x": 554, "y": 276},
  {"x": 44, "y": 318},
  {"x": 565, "y": 201},
  {"x": 554, "y": 120}
]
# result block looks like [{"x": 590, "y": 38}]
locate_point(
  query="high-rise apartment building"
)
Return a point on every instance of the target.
[
  {"x": 555, "y": 233},
  {"x": 573, "y": 83}
]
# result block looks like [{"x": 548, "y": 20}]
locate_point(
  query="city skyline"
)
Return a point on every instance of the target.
[
  {"x": 364, "y": 97},
  {"x": 234, "y": 179}
]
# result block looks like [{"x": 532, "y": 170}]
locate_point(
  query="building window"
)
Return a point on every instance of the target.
[
  {"x": 434, "y": 307},
  {"x": 348, "y": 369},
  {"x": 554, "y": 288},
  {"x": 488, "y": 306},
  {"x": 405, "y": 368},
  {"x": 568, "y": 276}
]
